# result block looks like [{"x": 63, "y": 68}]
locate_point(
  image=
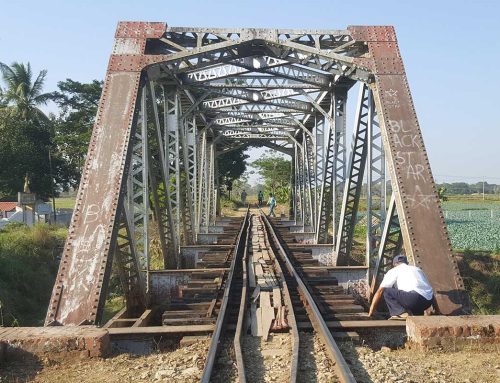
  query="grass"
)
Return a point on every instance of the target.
[
  {"x": 480, "y": 271},
  {"x": 65, "y": 203},
  {"x": 29, "y": 262},
  {"x": 229, "y": 207},
  {"x": 28, "y": 266},
  {"x": 488, "y": 198},
  {"x": 29, "y": 259},
  {"x": 111, "y": 307}
]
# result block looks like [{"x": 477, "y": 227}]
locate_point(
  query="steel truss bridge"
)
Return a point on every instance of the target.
[{"x": 174, "y": 99}]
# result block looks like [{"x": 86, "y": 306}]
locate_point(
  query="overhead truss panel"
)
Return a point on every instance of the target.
[{"x": 175, "y": 99}]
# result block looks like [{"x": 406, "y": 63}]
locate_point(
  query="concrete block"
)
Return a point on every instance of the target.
[
  {"x": 56, "y": 342},
  {"x": 456, "y": 331}
]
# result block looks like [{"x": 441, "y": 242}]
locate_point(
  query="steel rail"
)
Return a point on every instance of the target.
[
  {"x": 344, "y": 373},
  {"x": 215, "y": 340},
  {"x": 292, "y": 323},
  {"x": 241, "y": 314}
]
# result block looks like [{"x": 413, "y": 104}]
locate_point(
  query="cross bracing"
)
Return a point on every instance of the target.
[{"x": 176, "y": 99}]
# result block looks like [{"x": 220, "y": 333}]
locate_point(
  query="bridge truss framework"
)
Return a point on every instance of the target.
[{"x": 174, "y": 99}]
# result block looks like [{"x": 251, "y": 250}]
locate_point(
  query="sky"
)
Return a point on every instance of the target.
[{"x": 451, "y": 51}]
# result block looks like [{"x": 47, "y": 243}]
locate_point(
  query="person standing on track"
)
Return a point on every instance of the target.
[
  {"x": 260, "y": 198},
  {"x": 406, "y": 290},
  {"x": 272, "y": 205},
  {"x": 244, "y": 197}
]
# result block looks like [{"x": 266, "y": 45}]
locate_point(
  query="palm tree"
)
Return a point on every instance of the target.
[
  {"x": 3, "y": 102},
  {"x": 21, "y": 93}
]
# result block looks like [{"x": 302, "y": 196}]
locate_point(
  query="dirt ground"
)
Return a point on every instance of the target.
[
  {"x": 368, "y": 364},
  {"x": 408, "y": 365}
]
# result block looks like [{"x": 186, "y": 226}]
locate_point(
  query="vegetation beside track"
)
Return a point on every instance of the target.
[
  {"x": 481, "y": 273},
  {"x": 65, "y": 203},
  {"x": 29, "y": 260},
  {"x": 28, "y": 266}
]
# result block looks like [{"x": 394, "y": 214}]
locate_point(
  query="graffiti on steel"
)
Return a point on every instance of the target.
[
  {"x": 422, "y": 222},
  {"x": 223, "y": 81}
]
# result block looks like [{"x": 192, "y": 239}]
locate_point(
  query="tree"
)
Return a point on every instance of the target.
[
  {"x": 78, "y": 104},
  {"x": 442, "y": 194},
  {"x": 3, "y": 101},
  {"x": 24, "y": 150},
  {"x": 231, "y": 166},
  {"x": 25, "y": 132},
  {"x": 275, "y": 170},
  {"x": 22, "y": 93}
]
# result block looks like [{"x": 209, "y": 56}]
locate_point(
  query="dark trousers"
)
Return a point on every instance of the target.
[
  {"x": 271, "y": 211},
  {"x": 399, "y": 301}
]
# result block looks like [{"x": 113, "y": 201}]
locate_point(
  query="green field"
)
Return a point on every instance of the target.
[
  {"x": 473, "y": 224},
  {"x": 65, "y": 203}
]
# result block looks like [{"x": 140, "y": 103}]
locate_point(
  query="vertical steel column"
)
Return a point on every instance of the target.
[
  {"x": 298, "y": 185},
  {"x": 133, "y": 217},
  {"x": 391, "y": 243},
  {"x": 202, "y": 184},
  {"x": 217, "y": 185},
  {"x": 319, "y": 163},
  {"x": 157, "y": 178},
  {"x": 138, "y": 190},
  {"x": 172, "y": 148},
  {"x": 293, "y": 197},
  {"x": 376, "y": 185},
  {"x": 333, "y": 165},
  {"x": 206, "y": 186},
  {"x": 340, "y": 155},
  {"x": 128, "y": 266},
  {"x": 212, "y": 186},
  {"x": 309, "y": 181},
  {"x": 354, "y": 183},
  {"x": 206, "y": 189},
  {"x": 189, "y": 161},
  {"x": 324, "y": 208}
]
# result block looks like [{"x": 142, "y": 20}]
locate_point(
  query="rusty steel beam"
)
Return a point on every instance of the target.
[
  {"x": 145, "y": 52},
  {"x": 422, "y": 222},
  {"x": 391, "y": 242},
  {"x": 80, "y": 288}
]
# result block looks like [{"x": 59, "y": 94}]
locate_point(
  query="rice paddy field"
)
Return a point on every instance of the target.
[{"x": 473, "y": 224}]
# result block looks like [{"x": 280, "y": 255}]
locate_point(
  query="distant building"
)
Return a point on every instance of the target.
[{"x": 7, "y": 209}]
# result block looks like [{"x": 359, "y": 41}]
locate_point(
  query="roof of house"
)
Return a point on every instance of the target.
[{"x": 8, "y": 206}]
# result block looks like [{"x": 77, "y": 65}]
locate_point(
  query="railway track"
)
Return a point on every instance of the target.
[
  {"x": 263, "y": 303},
  {"x": 269, "y": 300}
]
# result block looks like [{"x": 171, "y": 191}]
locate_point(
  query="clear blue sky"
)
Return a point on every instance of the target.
[{"x": 451, "y": 51}]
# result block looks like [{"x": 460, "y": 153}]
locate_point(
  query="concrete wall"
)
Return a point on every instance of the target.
[{"x": 166, "y": 284}]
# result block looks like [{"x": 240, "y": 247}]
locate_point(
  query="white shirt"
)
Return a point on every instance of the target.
[{"x": 408, "y": 278}]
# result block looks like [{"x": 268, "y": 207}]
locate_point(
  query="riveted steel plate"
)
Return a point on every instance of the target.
[
  {"x": 78, "y": 290},
  {"x": 143, "y": 30},
  {"x": 422, "y": 222},
  {"x": 372, "y": 33},
  {"x": 133, "y": 63}
]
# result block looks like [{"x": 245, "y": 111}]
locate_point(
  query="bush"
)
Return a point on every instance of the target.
[
  {"x": 29, "y": 260},
  {"x": 481, "y": 274},
  {"x": 231, "y": 204}
]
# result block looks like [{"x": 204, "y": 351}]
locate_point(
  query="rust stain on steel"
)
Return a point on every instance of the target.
[
  {"x": 372, "y": 33},
  {"x": 78, "y": 291},
  {"x": 141, "y": 30},
  {"x": 422, "y": 221},
  {"x": 78, "y": 296},
  {"x": 133, "y": 63}
]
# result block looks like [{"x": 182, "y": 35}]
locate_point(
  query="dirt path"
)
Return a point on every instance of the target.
[{"x": 185, "y": 365}]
